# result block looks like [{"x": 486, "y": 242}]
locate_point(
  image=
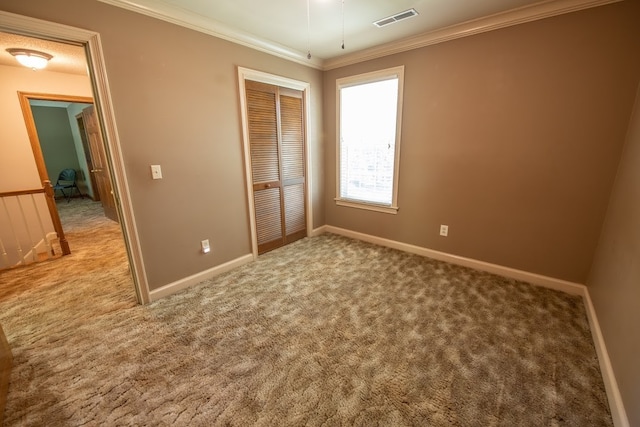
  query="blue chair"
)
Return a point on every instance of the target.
[{"x": 67, "y": 181}]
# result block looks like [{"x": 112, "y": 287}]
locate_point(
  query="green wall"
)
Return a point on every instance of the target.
[{"x": 56, "y": 140}]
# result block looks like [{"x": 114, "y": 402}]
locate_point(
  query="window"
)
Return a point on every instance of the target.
[{"x": 369, "y": 121}]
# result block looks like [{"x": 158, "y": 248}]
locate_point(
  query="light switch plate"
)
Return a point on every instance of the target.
[
  {"x": 206, "y": 248},
  {"x": 156, "y": 172}
]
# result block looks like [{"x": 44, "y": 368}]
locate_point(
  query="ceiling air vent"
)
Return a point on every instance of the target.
[{"x": 395, "y": 18}]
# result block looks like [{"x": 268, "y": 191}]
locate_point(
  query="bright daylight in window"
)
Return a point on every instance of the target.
[{"x": 369, "y": 113}]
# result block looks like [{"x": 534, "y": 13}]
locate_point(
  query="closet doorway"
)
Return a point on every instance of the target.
[{"x": 274, "y": 118}]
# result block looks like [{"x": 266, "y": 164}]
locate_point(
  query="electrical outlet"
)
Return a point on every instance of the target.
[
  {"x": 444, "y": 230},
  {"x": 206, "y": 248},
  {"x": 156, "y": 172}
]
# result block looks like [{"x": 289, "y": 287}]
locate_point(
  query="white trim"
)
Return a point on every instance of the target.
[
  {"x": 44, "y": 245},
  {"x": 247, "y": 163},
  {"x": 318, "y": 231},
  {"x": 51, "y": 236},
  {"x": 521, "y": 15},
  {"x": 366, "y": 206},
  {"x": 104, "y": 104},
  {"x": 28, "y": 26},
  {"x": 194, "y": 279},
  {"x": 616, "y": 404},
  {"x": 361, "y": 79},
  {"x": 38, "y": 28},
  {"x": 184, "y": 18},
  {"x": 305, "y": 87},
  {"x": 512, "y": 273}
]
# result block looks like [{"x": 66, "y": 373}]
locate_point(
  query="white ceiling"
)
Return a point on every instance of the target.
[
  {"x": 67, "y": 58},
  {"x": 285, "y": 21},
  {"x": 280, "y": 27}
]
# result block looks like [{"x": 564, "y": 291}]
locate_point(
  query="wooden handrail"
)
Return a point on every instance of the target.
[
  {"x": 23, "y": 192},
  {"x": 57, "y": 224}
]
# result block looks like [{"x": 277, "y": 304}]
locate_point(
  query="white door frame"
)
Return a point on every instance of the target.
[
  {"x": 259, "y": 76},
  {"x": 12, "y": 23}
]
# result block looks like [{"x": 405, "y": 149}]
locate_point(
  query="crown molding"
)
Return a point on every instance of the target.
[
  {"x": 537, "y": 11},
  {"x": 521, "y": 15},
  {"x": 193, "y": 21}
]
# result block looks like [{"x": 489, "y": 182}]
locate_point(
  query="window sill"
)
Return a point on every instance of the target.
[{"x": 367, "y": 206}]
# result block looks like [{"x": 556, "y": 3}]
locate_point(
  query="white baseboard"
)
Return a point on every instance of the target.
[
  {"x": 616, "y": 405},
  {"x": 512, "y": 273},
  {"x": 318, "y": 231},
  {"x": 189, "y": 281}
]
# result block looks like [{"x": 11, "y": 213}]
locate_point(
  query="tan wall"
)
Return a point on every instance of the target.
[
  {"x": 17, "y": 165},
  {"x": 175, "y": 95},
  {"x": 614, "y": 282},
  {"x": 512, "y": 138}
]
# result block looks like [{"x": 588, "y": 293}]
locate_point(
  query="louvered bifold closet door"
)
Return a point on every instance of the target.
[
  {"x": 293, "y": 173},
  {"x": 276, "y": 139},
  {"x": 265, "y": 164}
]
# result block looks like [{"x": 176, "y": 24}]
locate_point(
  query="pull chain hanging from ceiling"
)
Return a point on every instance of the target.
[
  {"x": 309, "y": 29},
  {"x": 308, "y": 32},
  {"x": 342, "y": 24}
]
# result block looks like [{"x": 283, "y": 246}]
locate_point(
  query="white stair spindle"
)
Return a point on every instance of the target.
[
  {"x": 34, "y": 255},
  {"x": 13, "y": 231}
]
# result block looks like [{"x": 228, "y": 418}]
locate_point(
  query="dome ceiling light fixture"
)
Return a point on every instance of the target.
[{"x": 30, "y": 58}]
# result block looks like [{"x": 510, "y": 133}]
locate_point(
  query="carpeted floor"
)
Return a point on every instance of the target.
[{"x": 326, "y": 331}]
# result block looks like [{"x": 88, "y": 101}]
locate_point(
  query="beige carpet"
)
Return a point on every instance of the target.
[{"x": 324, "y": 332}]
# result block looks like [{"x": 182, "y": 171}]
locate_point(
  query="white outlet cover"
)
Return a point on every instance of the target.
[
  {"x": 156, "y": 172},
  {"x": 444, "y": 230}
]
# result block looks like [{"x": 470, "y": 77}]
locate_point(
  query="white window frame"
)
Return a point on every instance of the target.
[{"x": 371, "y": 77}]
